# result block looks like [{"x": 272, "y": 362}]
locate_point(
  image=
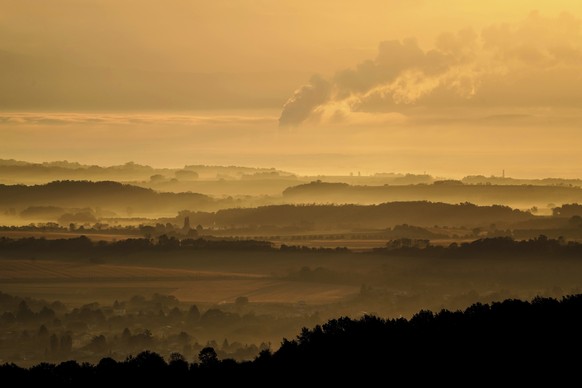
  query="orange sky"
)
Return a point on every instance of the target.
[{"x": 448, "y": 87}]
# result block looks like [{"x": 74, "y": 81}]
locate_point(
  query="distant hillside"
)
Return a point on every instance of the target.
[
  {"x": 334, "y": 217},
  {"x": 262, "y": 182},
  {"x": 524, "y": 196},
  {"x": 497, "y": 180},
  {"x": 125, "y": 200},
  {"x": 14, "y": 171}
]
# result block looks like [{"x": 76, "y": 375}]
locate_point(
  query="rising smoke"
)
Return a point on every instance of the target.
[{"x": 533, "y": 63}]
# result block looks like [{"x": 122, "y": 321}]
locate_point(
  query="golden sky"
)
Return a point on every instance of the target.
[{"x": 449, "y": 87}]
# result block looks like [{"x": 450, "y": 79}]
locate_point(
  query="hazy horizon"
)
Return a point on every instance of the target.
[
  {"x": 176, "y": 140},
  {"x": 444, "y": 88}
]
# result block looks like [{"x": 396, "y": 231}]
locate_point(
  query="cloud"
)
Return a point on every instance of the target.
[
  {"x": 66, "y": 119},
  {"x": 303, "y": 102},
  {"x": 534, "y": 63}
]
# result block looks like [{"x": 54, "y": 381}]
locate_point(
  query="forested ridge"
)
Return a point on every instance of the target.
[
  {"x": 103, "y": 194},
  {"x": 445, "y": 190},
  {"x": 421, "y": 213},
  {"x": 514, "y": 340}
]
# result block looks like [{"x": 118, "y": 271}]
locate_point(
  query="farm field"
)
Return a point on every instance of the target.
[{"x": 77, "y": 283}]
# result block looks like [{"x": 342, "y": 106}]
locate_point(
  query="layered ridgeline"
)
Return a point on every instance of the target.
[
  {"x": 206, "y": 179},
  {"x": 108, "y": 203},
  {"x": 90, "y": 202},
  {"x": 283, "y": 186}
]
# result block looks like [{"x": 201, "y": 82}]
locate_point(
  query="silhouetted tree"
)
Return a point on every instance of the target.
[{"x": 208, "y": 357}]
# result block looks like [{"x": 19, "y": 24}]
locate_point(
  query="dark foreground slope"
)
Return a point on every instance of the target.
[{"x": 513, "y": 341}]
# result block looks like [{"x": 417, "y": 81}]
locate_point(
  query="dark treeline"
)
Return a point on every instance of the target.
[
  {"x": 568, "y": 210},
  {"x": 82, "y": 244},
  {"x": 512, "y": 341},
  {"x": 541, "y": 246}
]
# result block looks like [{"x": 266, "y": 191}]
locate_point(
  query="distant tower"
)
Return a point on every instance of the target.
[
  {"x": 503, "y": 173},
  {"x": 186, "y": 226}
]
